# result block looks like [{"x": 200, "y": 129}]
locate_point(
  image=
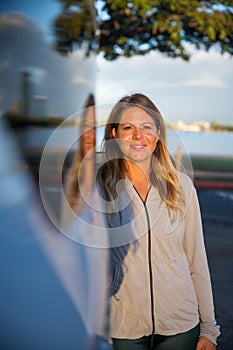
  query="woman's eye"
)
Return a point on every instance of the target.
[
  {"x": 148, "y": 128},
  {"x": 127, "y": 127}
]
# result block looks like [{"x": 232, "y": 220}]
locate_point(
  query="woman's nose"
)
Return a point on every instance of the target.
[{"x": 138, "y": 133}]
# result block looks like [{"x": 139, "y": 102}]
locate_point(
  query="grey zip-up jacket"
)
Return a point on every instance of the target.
[{"x": 161, "y": 282}]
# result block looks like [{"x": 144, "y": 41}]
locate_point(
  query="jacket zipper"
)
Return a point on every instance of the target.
[
  {"x": 150, "y": 269},
  {"x": 149, "y": 259}
]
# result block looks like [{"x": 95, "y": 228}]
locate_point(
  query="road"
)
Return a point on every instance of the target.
[{"x": 217, "y": 213}]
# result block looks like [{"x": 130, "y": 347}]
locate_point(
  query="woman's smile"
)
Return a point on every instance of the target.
[
  {"x": 138, "y": 146},
  {"x": 137, "y": 135}
]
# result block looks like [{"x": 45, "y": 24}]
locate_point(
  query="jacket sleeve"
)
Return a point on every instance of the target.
[{"x": 196, "y": 254}]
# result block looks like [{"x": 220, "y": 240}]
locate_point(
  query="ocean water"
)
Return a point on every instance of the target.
[
  {"x": 202, "y": 143},
  {"x": 192, "y": 143}
]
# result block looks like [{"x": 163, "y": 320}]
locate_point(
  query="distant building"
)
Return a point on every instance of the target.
[
  {"x": 195, "y": 127},
  {"x": 40, "y": 106},
  {"x": 26, "y": 93},
  {"x": 32, "y": 104},
  {"x": 203, "y": 125}
]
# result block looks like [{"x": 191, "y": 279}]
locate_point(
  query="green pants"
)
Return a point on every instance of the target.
[{"x": 181, "y": 341}]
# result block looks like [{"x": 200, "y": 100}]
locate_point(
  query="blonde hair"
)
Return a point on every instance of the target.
[{"x": 164, "y": 174}]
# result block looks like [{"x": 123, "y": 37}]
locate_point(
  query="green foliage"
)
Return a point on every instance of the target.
[
  {"x": 127, "y": 28},
  {"x": 215, "y": 126},
  {"x": 75, "y": 25},
  {"x": 214, "y": 163}
]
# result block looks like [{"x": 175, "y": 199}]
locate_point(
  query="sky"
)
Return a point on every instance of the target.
[
  {"x": 200, "y": 89},
  {"x": 40, "y": 12}
]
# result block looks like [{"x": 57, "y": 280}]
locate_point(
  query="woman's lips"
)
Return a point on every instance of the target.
[
  {"x": 88, "y": 145},
  {"x": 138, "y": 147}
]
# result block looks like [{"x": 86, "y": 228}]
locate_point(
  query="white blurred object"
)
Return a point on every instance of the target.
[{"x": 53, "y": 290}]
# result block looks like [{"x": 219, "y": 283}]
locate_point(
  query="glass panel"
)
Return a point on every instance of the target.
[
  {"x": 45, "y": 80},
  {"x": 46, "y": 105}
]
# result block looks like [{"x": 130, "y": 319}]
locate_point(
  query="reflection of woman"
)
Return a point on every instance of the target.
[
  {"x": 163, "y": 299},
  {"x": 81, "y": 173}
]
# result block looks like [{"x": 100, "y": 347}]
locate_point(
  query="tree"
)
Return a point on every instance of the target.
[{"x": 126, "y": 28}]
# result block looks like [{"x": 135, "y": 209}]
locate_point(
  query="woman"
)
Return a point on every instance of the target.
[
  {"x": 161, "y": 289},
  {"x": 80, "y": 175}
]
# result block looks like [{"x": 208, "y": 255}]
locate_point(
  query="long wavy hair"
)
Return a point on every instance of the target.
[{"x": 164, "y": 175}]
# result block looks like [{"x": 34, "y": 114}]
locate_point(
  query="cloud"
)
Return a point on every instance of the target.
[
  {"x": 205, "y": 82},
  {"x": 79, "y": 79},
  {"x": 83, "y": 75},
  {"x": 200, "y": 89},
  {"x": 15, "y": 20},
  {"x": 158, "y": 71}
]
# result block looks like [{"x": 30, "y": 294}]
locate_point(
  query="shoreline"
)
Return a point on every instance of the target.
[{"x": 207, "y": 171}]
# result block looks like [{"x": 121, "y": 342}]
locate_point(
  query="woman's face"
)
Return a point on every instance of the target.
[
  {"x": 137, "y": 134},
  {"x": 88, "y": 131}
]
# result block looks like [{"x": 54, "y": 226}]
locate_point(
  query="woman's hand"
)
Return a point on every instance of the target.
[{"x": 205, "y": 344}]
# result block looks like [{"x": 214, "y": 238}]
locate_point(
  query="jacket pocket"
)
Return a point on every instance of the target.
[{"x": 174, "y": 274}]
